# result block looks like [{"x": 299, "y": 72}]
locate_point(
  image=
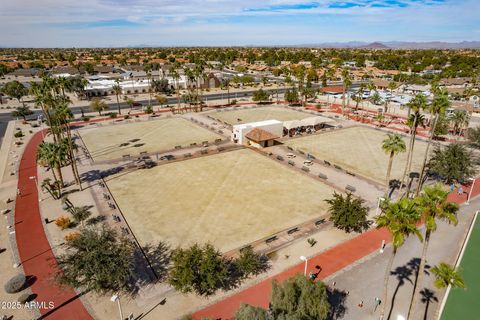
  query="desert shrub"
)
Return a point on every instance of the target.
[
  {"x": 16, "y": 284},
  {"x": 63, "y": 223},
  {"x": 234, "y": 101},
  {"x": 24, "y": 298},
  {"x": 112, "y": 115},
  {"x": 72, "y": 236},
  {"x": 18, "y": 134},
  {"x": 126, "y": 117},
  {"x": 85, "y": 118}
]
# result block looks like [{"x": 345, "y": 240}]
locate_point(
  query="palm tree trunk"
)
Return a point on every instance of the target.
[
  {"x": 410, "y": 150},
  {"x": 385, "y": 283},
  {"x": 58, "y": 167},
  {"x": 420, "y": 276},
  {"x": 73, "y": 161},
  {"x": 432, "y": 132},
  {"x": 118, "y": 105},
  {"x": 389, "y": 170}
]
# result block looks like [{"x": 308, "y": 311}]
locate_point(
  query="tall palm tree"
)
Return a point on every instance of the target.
[
  {"x": 346, "y": 85},
  {"x": 446, "y": 275},
  {"x": 226, "y": 83},
  {"x": 460, "y": 121},
  {"x": 417, "y": 104},
  {"x": 176, "y": 78},
  {"x": 62, "y": 84},
  {"x": 438, "y": 106},
  {"x": 433, "y": 205},
  {"x": 393, "y": 144},
  {"x": 400, "y": 219},
  {"x": 118, "y": 91}
]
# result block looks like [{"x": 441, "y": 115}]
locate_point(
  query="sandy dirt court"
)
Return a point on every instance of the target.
[
  {"x": 259, "y": 114},
  {"x": 228, "y": 199},
  {"x": 358, "y": 149},
  {"x": 103, "y": 143}
]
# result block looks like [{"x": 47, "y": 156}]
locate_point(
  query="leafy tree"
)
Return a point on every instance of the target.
[
  {"x": 433, "y": 206},
  {"x": 300, "y": 298},
  {"x": 454, "y": 163},
  {"x": 260, "y": 95},
  {"x": 23, "y": 112},
  {"x": 97, "y": 260},
  {"x": 348, "y": 212},
  {"x": 291, "y": 95},
  {"x": 249, "y": 262},
  {"x": 248, "y": 312},
  {"x": 199, "y": 269},
  {"x": 393, "y": 144},
  {"x": 98, "y": 105},
  {"x": 15, "y": 89},
  {"x": 400, "y": 219},
  {"x": 446, "y": 275},
  {"x": 160, "y": 86}
]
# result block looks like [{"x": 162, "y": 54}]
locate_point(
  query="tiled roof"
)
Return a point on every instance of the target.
[{"x": 259, "y": 135}]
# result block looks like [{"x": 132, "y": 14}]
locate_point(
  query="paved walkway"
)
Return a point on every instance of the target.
[
  {"x": 34, "y": 249},
  {"x": 331, "y": 261}
]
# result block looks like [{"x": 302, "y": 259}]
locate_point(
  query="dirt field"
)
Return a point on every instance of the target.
[
  {"x": 228, "y": 199},
  {"x": 155, "y": 135},
  {"x": 259, "y": 114},
  {"x": 358, "y": 149}
]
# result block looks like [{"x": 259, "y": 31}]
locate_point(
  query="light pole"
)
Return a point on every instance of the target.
[
  {"x": 470, "y": 192},
  {"x": 303, "y": 258},
  {"x": 116, "y": 298},
  {"x": 35, "y": 179},
  {"x": 380, "y": 200}
]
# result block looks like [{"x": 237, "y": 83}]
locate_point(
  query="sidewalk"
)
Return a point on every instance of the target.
[
  {"x": 34, "y": 249},
  {"x": 331, "y": 261}
]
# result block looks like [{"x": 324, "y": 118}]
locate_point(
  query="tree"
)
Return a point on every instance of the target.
[
  {"x": 15, "y": 90},
  {"x": 129, "y": 101},
  {"x": 249, "y": 262},
  {"x": 438, "y": 106},
  {"x": 446, "y": 275},
  {"x": 348, "y": 213},
  {"x": 53, "y": 156},
  {"x": 260, "y": 96},
  {"x": 248, "y": 312},
  {"x": 460, "y": 120},
  {"x": 300, "y": 298},
  {"x": 433, "y": 205},
  {"x": 441, "y": 127},
  {"x": 199, "y": 269},
  {"x": 473, "y": 135},
  {"x": 291, "y": 95},
  {"x": 346, "y": 85},
  {"x": 118, "y": 91},
  {"x": 23, "y": 112},
  {"x": 400, "y": 219},
  {"x": 161, "y": 100},
  {"x": 453, "y": 163},
  {"x": 97, "y": 260},
  {"x": 98, "y": 105},
  {"x": 393, "y": 144}
]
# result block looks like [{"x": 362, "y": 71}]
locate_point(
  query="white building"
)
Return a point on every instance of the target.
[{"x": 240, "y": 130}]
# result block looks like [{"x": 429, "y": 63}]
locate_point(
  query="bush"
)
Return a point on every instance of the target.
[
  {"x": 249, "y": 262},
  {"x": 24, "y": 298},
  {"x": 16, "y": 284},
  {"x": 148, "y": 110},
  {"x": 233, "y": 102},
  {"x": 126, "y": 117},
  {"x": 72, "y": 236},
  {"x": 18, "y": 134},
  {"x": 112, "y": 115},
  {"x": 85, "y": 118},
  {"x": 63, "y": 223}
]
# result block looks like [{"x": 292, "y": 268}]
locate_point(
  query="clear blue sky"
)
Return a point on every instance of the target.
[{"x": 92, "y": 23}]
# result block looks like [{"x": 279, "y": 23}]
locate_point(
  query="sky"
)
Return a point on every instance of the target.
[{"x": 117, "y": 23}]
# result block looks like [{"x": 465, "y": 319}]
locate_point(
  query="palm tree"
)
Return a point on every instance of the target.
[
  {"x": 460, "y": 121},
  {"x": 53, "y": 156},
  {"x": 418, "y": 103},
  {"x": 438, "y": 106},
  {"x": 446, "y": 275},
  {"x": 98, "y": 105},
  {"x": 400, "y": 219},
  {"x": 393, "y": 144},
  {"x": 433, "y": 205},
  {"x": 118, "y": 91},
  {"x": 226, "y": 83},
  {"x": 176, "y": 77},
  {"x": 62, "y": 84},
  {"x": 346, "y": 85}
]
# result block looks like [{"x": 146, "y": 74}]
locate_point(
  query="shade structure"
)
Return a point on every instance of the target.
[
  {"x": 307, "y": 122},
  {"x": 293, "y": 124}
]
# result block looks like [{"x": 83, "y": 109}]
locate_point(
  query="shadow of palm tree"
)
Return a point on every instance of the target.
[
  {"x": 337, "y": 300},
  {"x": 428, "y": 296},
  {"x": 403, "y": 274}
]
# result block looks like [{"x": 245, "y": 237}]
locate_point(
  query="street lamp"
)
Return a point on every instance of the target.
[
  {"x": 116, "y": 298},
  {"x": 470, "y": 192},
  {"x": 34, "y": 178},
  {"x": 303, "y": 258},
  {"x": 380, "y": 200}
]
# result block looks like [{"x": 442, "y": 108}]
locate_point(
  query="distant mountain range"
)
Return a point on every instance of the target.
[{"x": 397, "y": 45}]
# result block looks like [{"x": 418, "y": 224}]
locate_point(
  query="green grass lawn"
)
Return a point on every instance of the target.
[{"x": 465, "y": 304}]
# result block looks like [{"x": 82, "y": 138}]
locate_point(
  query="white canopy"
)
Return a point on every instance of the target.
[
  {"x": 292, "y": 124},
  {"x": 311, "y": 121}
]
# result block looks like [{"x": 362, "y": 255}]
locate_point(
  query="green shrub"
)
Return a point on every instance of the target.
[
  {"x": 112, "y": 115},
  {"x": 18, "y": 134},
  {"x": 86, "y": 118},
  {"x": 234, "y": 101},
  {"x": 16, "y": 284},
  {"x": 126, "y": 117}
]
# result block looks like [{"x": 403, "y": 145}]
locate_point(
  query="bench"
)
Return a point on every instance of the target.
[
  {"x": 351, "y": 173},
  {"x": 290, "y": 162},
  {"x": 218, "y": 140},
  {"x": 280, "y": 158},
  {"x": 178, "y": 147},
  {"x": 193, "y": 144},
  {"x": 290, "y": 148},
  {"x": 322, "y": 176},
  {"x": 293, "y": 230},
  {"x": 350, "y": 188},
  {"x": 220, "y": 149},
  {"x": 187, "y": 155},
  {"x": 327, "y": 163},
  {"x": 319, "y": 222},
  {"x": 271, "y": 239},
  {"x": 337, "y": 167},
  {"x": 305, "y": 169}
]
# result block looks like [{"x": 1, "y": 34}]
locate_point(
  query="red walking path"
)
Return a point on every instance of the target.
[
  {"x": 330, "y": 261},
  {"x": 35, "y": 253}
]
